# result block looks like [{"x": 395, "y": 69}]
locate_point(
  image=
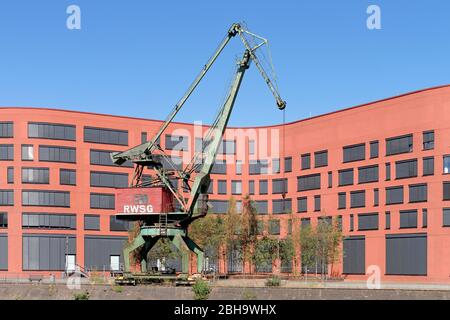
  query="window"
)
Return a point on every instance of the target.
[
  {"x": 446, "y": 164},
  {"x": 342, "y": 200},
  {"x": 388, "y": 220},
  {"x": 302, "y": 204},
  {"x": 236, "y": 187},
  {"x": 103, "y": 158},
  {"x": 406, "y": 254},
  {"x": 368, "y": 174},
  {"x": 3, "y": 220},
  {"x": 48, "y": 252},
  {"x": 394, "y": 195},
  {"x": 6, "y": 129},
  {"x": 263, "y": 187},
  {"x": 352, "y": 222},
  {"x": 227, "y": 147},
  {"x": 45, "y": 198},
  {"x": 279, "y": 186},
  {"x": 388, "y": 171},
  {"x": 374, "y": 145},
  {"x": 281, "y": 206},
  {"x": 325, "y": 220},
  {"x": 118, "y": 225},
  {"x": 354, "y": 255},
  {"x": 177, "y": 143},
  {"x": 428, "y": 140},
  {"x": 418, "y": 192},
  {"x": 27, "y": 152},
  {"x": 446, "y": 190},
  {"x": 357, "y": 199},
  {"x": 251, "y": 147},
  {"x": 48, "y": 221},
  {"x": 306, "y": 161},
  {"x": 102, "y": 201},
  {"x": 376, "y": 197},
  {"x": 262, "y": 206},
  {"x": 35, "y": 175},
  {"x": 67, "y": 177},
  {"x": 330, "y": 179},
  {"x": 406, "y": 169},
  {"x": 57, "y": 154},
  {"x": 428, "y": 166},
  {"x": 92, "y": 222},
  {"x": 274, "y": 227},
  {"x": 222, "y": 186},
  {"x": 317, "y": 203},
  {"x": 51, "y": 131},
  {"x": 397, "y": 145},
  {"x": 143, "y": 137},
  {"x": 305, "y": 222},
  {"x": 309, "y": 182},
  {"x": 275, "y": 166},
  {"x": 424, "y": 218},
  {"x": 6, "y": 152},
  {"x": 446, "y": 217},
  {"x": 288, "y": 164},
  {"x": 10, "y": 175},
  {"x": 219, "y": 167},
  {"x": 251, "y": 187},
  {"x": 408, "y": 219},
  {"x": 219, "y": 206},
  {"x": 6, "y": 197},
  {"x": 258, "y": 166},
  {"x": 108, "y": 179},
  {"x": 368, "y": 221},
  {"x": 106, "y": 136},
  {"x": 345, "y": 177},
  {"x": 238, "y": 167},
  {"x": 320, "y": 159},
  {"x": 354, "y": 153}
]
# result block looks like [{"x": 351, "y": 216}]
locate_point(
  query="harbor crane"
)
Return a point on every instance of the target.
[{"x": 158, "y": 207}]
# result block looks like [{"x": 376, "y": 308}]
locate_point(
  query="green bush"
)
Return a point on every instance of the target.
[
  {"x": 81, "y": 296},
  {"x": 201, "y": 290},
  {"x": 117, "y": 288},
  {"x": 273, "y": 281},
  {"x": 248, "y": 295}
]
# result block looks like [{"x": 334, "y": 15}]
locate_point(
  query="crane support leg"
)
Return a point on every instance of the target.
[
  {"x": 181, "y": 245},
  {"x": 149, "y": 243},
  {"x": 198, "y": 252},
  {"x": 145, "y": 245},
  {"x": 136, "y": 244}
]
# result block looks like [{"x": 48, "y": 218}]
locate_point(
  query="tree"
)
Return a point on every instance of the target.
[
  {"x": 265, "y": 251},
  {"x": 209, "y": 234},
  {"x": 307, "y": 242},
  {"x": 329, "y": 237},
  {"x": 248, "y": 231},
  {"x": 286, "y": 250}
]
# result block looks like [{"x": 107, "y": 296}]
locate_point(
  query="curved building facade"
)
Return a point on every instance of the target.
[{"x": 380, "y": 168}]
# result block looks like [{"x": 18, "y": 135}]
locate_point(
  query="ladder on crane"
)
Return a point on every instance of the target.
[{"x": 163, "y": 219}]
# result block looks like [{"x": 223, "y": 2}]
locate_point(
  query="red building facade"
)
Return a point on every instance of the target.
[{"x": 381, "y": 168}]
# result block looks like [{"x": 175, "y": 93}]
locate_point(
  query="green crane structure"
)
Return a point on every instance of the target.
[{"x": 174, "y": 225}]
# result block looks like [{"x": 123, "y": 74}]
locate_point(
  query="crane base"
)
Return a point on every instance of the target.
[{"x": 149, "y": 236}]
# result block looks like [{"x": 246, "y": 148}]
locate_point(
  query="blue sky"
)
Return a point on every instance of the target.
[{"x": 137, "y": 58}]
